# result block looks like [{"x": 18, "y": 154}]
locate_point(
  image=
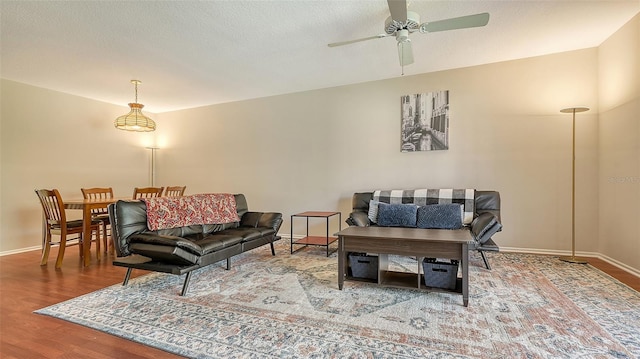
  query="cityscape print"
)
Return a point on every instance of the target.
[{"x": 425, "y": 122}]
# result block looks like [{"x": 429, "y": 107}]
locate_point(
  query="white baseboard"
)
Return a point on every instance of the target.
[{"x": 21, "y": 250}]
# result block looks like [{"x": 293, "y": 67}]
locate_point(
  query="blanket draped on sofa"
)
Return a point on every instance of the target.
[
  {"x": 423, "y": 197},
  {"x": 206, "y": 208}
]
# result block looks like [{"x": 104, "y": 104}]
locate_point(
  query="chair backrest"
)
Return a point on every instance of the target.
[
  {"x": 52, "y": 206},
  {"x": 175, "y": 191},
  {"x": 147, "y": 192},
  {"x": 97, "y": 193}
]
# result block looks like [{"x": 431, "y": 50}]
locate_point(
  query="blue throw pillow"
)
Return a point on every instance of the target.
[
  {"x": 397, "y": 215},
  {"x": 440, "y": 216}
]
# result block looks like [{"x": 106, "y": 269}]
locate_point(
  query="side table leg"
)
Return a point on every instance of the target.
[
  {"x": 340, "y": 262},
  {"x": 327, "y": 238}
]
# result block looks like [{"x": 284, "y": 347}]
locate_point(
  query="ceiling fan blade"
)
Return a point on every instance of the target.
[
  {"x": 405, "y": 52},
  {"x": 398, "y": 10},
  {"x": 462, "y": 22},
  {"x": 334, "y": 44}
]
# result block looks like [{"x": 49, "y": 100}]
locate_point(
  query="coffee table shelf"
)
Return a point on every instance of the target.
[
  {"x": 323, "y": 241},
  {"x": 397, "y": 279}
]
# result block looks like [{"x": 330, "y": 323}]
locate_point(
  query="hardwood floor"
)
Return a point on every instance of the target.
[{"x": 25, "y": 287}]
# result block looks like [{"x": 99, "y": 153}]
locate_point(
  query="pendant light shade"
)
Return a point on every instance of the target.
[{"x": 135, "y": 120}]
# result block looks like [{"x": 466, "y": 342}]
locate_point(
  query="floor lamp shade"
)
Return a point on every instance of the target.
[{"x": 573, "y": 258}]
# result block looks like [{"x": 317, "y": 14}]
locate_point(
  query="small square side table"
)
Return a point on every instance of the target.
[{"x": 308, "y": 240}]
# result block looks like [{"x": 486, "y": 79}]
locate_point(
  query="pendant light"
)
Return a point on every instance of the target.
[{"x": 135, "y": 120}]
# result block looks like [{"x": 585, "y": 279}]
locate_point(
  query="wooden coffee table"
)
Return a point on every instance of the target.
[{"x": 415, "y": 242}]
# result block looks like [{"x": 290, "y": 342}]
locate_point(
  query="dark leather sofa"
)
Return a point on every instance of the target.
[
  {"x": 184, "y": 249},
  {"x": 485, "y": 224}
]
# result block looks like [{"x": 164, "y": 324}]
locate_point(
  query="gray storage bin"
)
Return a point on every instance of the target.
[
  {"x": 363, "y": 266},
  {"x": 439, "y": 274}
]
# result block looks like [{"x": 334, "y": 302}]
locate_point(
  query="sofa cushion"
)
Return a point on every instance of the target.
[
  {"x": 168, "y": 241},
  {"x": 397, "y": 215},
  {"x": 250, "y": 219},
  {"x": 217, "y": 241},
  {"x": 440, "y": 216},
  {"x": 246, "y": 233}
]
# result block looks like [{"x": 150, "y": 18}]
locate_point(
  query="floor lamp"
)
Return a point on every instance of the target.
[
  {"x": 572, "y": 258},
  {"x": 152, "y": 166}
]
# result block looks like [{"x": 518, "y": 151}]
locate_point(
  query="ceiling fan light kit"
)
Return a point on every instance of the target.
[{"x": 402, "y": 23}]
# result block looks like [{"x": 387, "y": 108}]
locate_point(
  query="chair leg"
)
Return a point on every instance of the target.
[
  {"x": 45, "y": 249},
  {"x": 228, "y": 263},
  {"x": 273, "y": 251},
  {"x": 484, "y": 258},
  {"x": 97, "y": 231},
  {"x": 104, "y": 237},
  {"x": 61, "y": 248}
]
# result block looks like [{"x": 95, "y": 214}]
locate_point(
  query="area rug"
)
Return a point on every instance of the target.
[{"x": 289, "y": 306}]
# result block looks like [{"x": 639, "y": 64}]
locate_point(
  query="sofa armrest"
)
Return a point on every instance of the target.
[
  {"x": 359, "y": 219},
  {"x": 485, "y": 226},
  {"x": 270, "y": 220}
]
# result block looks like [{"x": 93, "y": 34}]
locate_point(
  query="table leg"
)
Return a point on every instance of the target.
[
  {"x": 86, "y": 235},
  {"x": 327, "y": 239},
  {"x": 340, "y": 262},
  {"x": 464, "y": 258}
]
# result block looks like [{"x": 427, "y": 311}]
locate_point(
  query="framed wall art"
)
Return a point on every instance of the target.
[{"x": 425, "y": 122}]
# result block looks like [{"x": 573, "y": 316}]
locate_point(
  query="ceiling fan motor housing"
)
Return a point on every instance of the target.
[{"x": 412, "y": 23}]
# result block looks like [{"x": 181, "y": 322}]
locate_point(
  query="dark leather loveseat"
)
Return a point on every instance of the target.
[
  {"x": 184, "y": 249},
  {"x": 486, "y": 219}
]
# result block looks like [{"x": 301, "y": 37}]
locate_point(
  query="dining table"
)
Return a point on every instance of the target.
[{"x": 86, "y": 205}]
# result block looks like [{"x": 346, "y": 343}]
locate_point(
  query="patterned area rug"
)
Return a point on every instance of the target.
[{"x": 289, "y": 306}]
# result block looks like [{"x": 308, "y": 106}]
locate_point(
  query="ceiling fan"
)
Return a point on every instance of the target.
[{"x": 403, "y": 22}]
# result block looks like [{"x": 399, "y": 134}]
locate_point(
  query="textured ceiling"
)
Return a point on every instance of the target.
[{"x": 195, "y": 53}]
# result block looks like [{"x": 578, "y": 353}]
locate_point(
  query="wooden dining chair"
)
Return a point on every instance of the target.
[
  {"x": 147, "y": 192},
  {"x": 174, "y": 191},
  {"x": 56, "y": 223},
  {"x": 100, "y": 214}
]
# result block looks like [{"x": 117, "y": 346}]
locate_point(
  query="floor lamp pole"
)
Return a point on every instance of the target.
[
  {"x": 152, "y": 166},
  {"x": 573, "y": 258}
]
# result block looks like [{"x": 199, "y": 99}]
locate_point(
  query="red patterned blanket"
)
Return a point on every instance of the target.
[{"x": 173, "y": 212}]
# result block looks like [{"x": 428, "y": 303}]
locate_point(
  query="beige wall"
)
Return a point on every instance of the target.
[
  {"x": 619, "y": 138},
  {"x": 312, "y": 150}
]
